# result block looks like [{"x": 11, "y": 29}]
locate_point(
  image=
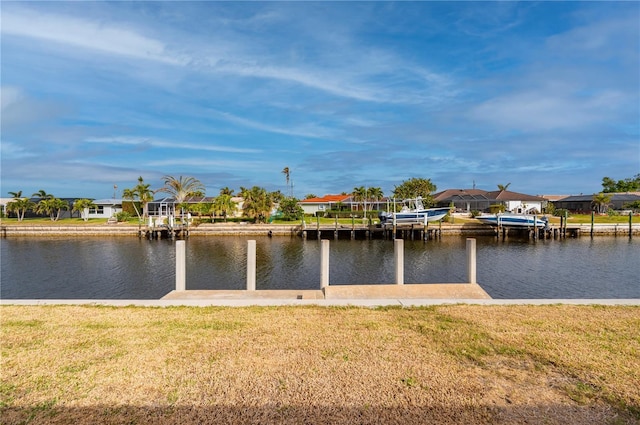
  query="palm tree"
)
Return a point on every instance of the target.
[
  {"x": 503, "y": 187},
  {"x": 41, "y": 194},
  {"x": 224, "y": 205},
  {"x": 601, "y": 201},
  {"x": 82, "y": 206},
  {"x": 59, "y": 205},
  {"x": 277, "y": 196},
  {"x": 226, "y": 191},
  {"x": 20, "y": 206},
  {"x": 202, "y": 208},
  {"x": 248, "y": 201},
  {"x": 140, "y": 194},
  {"x": 130, "y": 195},
  {"x": 16, "y": 195},
  {"x": 257, "y": 203},
  {"x": 374, "y": 194},
  {"x": 181, "y": 188},
  {"x": 52, "y": 206},
  {"x": 359, "y": 194},
  {"x": 145, "y": 195},
  {"x": 287, "y": 175}
]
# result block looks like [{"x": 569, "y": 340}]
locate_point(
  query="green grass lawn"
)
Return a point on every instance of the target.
[{"x": 586, "y": 218}]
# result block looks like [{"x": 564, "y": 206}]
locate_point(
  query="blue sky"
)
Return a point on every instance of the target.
[{"x": 545, "y": 96}]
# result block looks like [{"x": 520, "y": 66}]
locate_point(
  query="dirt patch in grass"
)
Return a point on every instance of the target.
[{"x": 445, "y": 364}]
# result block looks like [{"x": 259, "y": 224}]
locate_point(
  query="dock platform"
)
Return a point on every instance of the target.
[{"x": 462, "y": 291}]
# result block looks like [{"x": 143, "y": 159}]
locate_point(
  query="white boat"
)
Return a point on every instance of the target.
[
  {"x": 413, "y": 212},
  {"x": 513, "y": 220}
]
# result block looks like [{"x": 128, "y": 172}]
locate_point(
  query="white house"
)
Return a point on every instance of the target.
[
  {"x": 3, "y": 205},
  {"x": 165, "y": 207},
  {"x": 325, "y": 203},
  {"x": 105, "y": 208}
]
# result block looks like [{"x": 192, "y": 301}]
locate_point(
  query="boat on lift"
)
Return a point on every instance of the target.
[
  {"x": 413, "y": 212},
  {"x": 513, "y": 220}
]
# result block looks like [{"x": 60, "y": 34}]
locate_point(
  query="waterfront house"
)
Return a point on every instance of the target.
[
  {"x": 467, "y": 200},
  {"x": 31, "y": 213},
  {"x": 105, "y": 208},
  {"x": 585, "y": 204},
  {"x": 318, "y": 206},
  {"x": 325, "y": 203},
  {"x": 165, "y": 207},
  {"x": 3, "y": 205}
]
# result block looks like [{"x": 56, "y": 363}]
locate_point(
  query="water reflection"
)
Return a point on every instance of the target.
[{"x": 111, "y": 268}]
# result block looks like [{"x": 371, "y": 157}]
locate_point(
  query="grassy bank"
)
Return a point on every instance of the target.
[{"x": 445, "y": 364}]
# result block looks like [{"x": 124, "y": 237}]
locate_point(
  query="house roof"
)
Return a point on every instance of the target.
[
  {"x": 326, "y": 199},
  {"x": 506, "y": 195},
  {"x": 624, "y": 197},
  {"x": 191, "y": 200},
  {"x": 460, "y": 194},
  {"x": 555, "y": 198},
  {"x": 110, "y": 201},
  {"x": 478, "y": 194}
]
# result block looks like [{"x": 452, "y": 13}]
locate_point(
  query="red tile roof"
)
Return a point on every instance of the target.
[{"x": 327, "y": 198}]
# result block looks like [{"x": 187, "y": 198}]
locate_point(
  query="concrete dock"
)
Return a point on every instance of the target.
[
  {"x": 468, "y": 291},
  {"x": 367, "y": 296},
  {"x": 366, "y": 303}
]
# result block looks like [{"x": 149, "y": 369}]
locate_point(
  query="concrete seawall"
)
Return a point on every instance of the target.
[
  {"x": 62, "y": 230},
  {"x": 222, "y": 229}
]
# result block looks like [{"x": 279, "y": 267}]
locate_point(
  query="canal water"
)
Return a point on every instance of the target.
[{"x": 132, "y": 268}]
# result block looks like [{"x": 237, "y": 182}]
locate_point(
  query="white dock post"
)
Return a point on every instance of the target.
[
  {"x": 251, "y": 265},
  {"x": 398, "y": 251},
  {"x": 324, "y": 263},
  {"x": 471, "y": 260},
  {"x": 181, "y": 267}
]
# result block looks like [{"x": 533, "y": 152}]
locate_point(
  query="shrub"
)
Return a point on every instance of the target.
[
  {"x": 550, "y": 208},
  {"x": 496, "y": 208},
  {"x": 475, "y": 213},
  {"x": 290, "y": 210},
  {"x": 123, "y": 216}
]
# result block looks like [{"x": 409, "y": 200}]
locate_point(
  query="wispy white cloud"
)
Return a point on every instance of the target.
[
  {"x": 615, "y": 35},
  {"x": 10, "y": 150},
  {"x": 165, "y": 144},
  {"x": 308, "y": 130},
  {"x": 374, "y": 77},
  {"x": 209, "y": 163},
  {"x": 20, "y": 110},
  {"x": 84, "y": 33}
]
